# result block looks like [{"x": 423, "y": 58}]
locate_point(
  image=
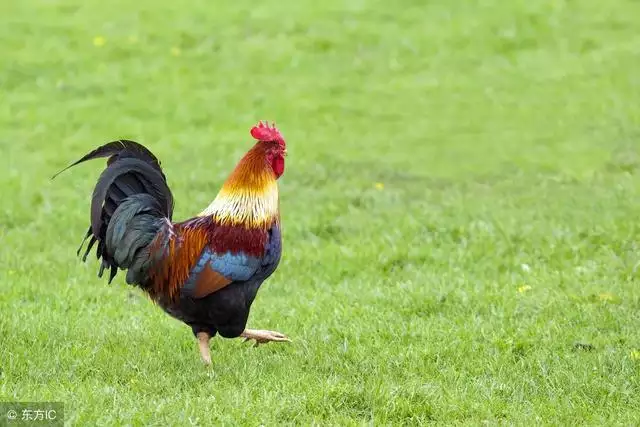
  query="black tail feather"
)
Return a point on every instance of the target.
[
  {"x": 118, "y": 149},
  {"x": 86, "y": 236},
  {"x": 89, "y": 246},
  {"x": 131, "y": 170},
  {"x": 112, "y": 273},
  {"x": 103, "y": 264},
  {"x": 122, "y": 169}
]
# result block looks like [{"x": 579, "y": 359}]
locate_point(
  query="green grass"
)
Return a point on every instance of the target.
[{"x": 494, "y": 278}]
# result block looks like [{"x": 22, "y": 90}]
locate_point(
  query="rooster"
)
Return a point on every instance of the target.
[{"x": 205, "y": 271}]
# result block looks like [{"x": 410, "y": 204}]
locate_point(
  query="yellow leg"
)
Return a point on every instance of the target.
[{"x": 203, "y": 343}]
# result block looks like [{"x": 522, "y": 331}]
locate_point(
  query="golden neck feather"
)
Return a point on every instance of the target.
[{"x": 249, "y": 197}]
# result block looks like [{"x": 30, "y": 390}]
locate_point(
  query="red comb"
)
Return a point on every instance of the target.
[{"x": 265, "y": 133}]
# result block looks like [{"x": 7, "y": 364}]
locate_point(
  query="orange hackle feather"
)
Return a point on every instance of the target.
[{"x": 249, "y": 197}]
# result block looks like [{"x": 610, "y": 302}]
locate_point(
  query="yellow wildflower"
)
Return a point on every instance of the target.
[
  {"x": 635, "y": 354},
  {"x": 524, "y": 288},
  {"x": 606, "y": 296},
  {"x": 379, "y": 186}
]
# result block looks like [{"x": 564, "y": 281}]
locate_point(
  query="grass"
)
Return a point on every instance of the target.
[{"x": 461, "y": 208}]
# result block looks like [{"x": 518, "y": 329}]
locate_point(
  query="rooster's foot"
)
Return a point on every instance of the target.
[{"x": 262, "y": 336}]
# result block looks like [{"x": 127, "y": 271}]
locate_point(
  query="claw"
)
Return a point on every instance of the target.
[{"x": 262, "y": 336}]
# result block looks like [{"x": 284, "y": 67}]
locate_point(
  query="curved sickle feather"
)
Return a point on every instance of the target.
[{"x": 114, "y": 148}]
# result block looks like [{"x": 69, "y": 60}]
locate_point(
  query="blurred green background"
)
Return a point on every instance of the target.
[{"x": 460, "y": 208}]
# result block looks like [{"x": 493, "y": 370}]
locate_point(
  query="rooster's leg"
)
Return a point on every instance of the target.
[
  {"x": 262, "y": 336},
  {"x": 203, "y": 343}
]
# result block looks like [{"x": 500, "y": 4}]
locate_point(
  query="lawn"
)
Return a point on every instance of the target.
[{"x": 461, "y": 208}]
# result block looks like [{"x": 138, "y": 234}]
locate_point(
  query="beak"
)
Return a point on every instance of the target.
[{"x": 284, "y": 153}]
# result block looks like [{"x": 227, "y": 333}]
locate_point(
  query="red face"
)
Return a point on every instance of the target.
[
  {"x": 275, "y": 157},
  {"x": 274, "y": 145},
  {"x": 278, "y": 165}
]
